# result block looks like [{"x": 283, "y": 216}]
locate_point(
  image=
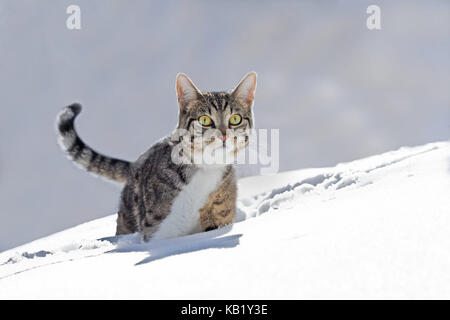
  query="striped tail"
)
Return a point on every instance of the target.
[{"x": 83, "y": 155}]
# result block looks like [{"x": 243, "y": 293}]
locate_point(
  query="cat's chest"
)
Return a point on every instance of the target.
[{"x": 183, "y": 218}]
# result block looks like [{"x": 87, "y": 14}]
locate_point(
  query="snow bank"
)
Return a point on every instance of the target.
[{"x": 372, "y": 228}]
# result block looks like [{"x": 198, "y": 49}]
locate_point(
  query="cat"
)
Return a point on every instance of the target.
[{"x": 167, "y": 193}]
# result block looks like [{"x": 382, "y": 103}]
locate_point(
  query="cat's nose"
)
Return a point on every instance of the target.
[{"x": 224, "y": 137}]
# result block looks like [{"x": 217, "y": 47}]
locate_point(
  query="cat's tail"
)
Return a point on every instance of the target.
[{"x": 82, "y": 154}]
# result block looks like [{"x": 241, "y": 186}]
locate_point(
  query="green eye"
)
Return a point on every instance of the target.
[
  {"x": 205, "y": 121},
  {"x": 235, "y": 119}
]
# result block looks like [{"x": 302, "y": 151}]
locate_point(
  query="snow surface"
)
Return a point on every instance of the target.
[{"x": 372, "y": 228}]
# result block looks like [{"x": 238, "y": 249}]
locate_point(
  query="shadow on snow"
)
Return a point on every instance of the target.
[{"x": 159, "y": 249}]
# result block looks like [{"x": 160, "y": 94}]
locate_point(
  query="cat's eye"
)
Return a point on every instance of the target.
[
  {"x": 235, "y": 119},
  {"x": 205, "y": 121}
]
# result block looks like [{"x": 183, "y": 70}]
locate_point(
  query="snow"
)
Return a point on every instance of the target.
[{"x": 375, "y": 228}]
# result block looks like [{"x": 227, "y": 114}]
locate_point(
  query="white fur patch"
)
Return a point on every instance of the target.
[{"x": 184, "y": 217}]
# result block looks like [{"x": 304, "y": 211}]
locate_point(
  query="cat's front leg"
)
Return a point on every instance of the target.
[{"x": 220, "y": 208}]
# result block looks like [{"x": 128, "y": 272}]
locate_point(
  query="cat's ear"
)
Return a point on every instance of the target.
[
  {"x": 245, "y": 90},
  {"x": 186, "y": 90}
]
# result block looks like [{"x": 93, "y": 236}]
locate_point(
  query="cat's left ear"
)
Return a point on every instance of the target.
[
  {"x": 245, "y": 90},
  {"x": 186, "y": 91}
]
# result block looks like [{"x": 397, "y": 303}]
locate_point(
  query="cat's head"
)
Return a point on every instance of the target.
[{"x": 222, "y": 119}]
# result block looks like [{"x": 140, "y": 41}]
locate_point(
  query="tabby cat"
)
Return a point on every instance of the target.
[{"x": 166, "y": 192}]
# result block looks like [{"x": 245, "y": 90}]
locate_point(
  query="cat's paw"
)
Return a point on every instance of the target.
[{"x": 211, "y": 228}]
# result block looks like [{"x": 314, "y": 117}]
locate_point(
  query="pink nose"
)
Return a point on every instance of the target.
[{"x": 224, "y": 138}]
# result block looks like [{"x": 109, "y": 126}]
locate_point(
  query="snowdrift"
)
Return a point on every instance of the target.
[{"x": 372, "y": 228}]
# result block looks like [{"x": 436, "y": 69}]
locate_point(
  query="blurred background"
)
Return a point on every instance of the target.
[{"x": 336, "y": 90}]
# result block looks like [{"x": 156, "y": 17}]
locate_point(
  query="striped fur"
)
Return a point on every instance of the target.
[{"x": 83, "y": 155}]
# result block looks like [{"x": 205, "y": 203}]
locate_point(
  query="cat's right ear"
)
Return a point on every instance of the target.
[{"x": 186, "y": 91}]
